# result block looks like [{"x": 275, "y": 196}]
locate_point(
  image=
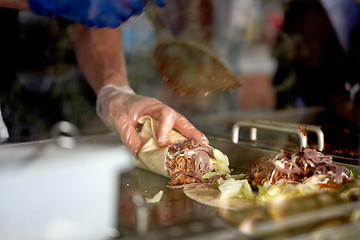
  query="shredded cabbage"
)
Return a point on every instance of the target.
[
  {"x": 286, "y": 191},
  {"x": 220, "y": 164},
  {"x": 231, "y": 188},
  {"x": 220, "y": 156},
  {"x": 157, "y": 197},
  {"x": 354, "y": 175}
]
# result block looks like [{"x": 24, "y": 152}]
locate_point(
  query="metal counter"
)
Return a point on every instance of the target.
[
  {"x": 92, "y": 191},
  {"x": 176, "y": 216}
]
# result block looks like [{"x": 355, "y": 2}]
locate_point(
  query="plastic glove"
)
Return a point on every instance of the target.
[
  {"x": 99, "y": 13},
  {"x": 120, "y": 108}
]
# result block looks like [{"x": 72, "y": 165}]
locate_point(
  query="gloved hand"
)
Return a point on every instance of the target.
[
  {"x": 99, "y": 13},
  {"x": 120, "y": 108}
]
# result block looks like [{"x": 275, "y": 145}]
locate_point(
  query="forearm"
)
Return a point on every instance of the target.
[
  {"x": 100, "y": 55},
  {"x": 15, "y": 4}
]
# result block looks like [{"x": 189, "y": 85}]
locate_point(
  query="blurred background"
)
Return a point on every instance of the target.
[{"x": 290, "y": 56}]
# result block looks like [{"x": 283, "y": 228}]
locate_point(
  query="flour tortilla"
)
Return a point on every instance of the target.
[
  {"x": 210, "y": 195},
  {"x": 151, "y": 156}
]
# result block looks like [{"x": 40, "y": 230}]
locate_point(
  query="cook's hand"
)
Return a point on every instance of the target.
[
  {"x": 99, "y": 13},
  {"x": 120, "y": 108}
]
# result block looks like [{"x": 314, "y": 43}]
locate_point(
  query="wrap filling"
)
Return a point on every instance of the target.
[
  {"x": 188, "y": 161},
  {"x": 297, "y": 167}
]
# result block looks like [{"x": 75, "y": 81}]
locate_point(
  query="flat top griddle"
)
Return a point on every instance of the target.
[
  {"x": 176, "y": 216},
  {"x": 92, "y": 192}
]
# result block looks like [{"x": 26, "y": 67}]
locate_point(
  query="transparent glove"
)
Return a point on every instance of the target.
[
  {"x": 99, "y": 13},
  {"x": 120, "y": 108}
]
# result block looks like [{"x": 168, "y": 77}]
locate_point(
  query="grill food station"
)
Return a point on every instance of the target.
[
  {"x": 75, "y": 186},
  {"x": 180, "y": 217},
  {"x": 87, "y": 188}
]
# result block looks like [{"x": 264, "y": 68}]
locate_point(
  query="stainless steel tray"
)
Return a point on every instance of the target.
[{"x": 178, "y": 217}]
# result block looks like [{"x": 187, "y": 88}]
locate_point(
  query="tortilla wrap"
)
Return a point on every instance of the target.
[
  {"x": 151, "y": 156},
  {"x": 210, "y": 195}
]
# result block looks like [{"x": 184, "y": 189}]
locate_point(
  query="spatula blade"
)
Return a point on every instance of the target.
[{"x": 192, "y": 70}]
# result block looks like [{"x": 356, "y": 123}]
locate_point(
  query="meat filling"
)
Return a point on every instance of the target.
[
  {"x": 296, "y": 167},
  {"x": 188, "y": 161}
]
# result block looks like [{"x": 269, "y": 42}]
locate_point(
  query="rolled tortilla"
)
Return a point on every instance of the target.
[{"x": 151, "y": 156}]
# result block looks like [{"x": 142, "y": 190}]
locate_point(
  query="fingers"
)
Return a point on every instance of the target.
[
  {"x": 124, "y": 120},
  {"x": 160, "y": 3},
  {"x": 129, "y": 135},
  {"x": 166, "y": 123},
  {"x": 170, "y": 119},
  {"x": 137, "y": 6},
  {"x": 183, "y": 126}
]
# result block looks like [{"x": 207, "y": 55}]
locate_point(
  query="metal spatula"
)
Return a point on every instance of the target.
[{"x": 188, "y": 68}]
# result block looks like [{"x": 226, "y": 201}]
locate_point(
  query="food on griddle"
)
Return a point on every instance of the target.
[
  {"x": 298, "y": 167},
  {"x": 283, "y": 177},
  {"x": 188, "y": 161},
  {"x": 184, "y": 161},
  {"x": 289, "y": 194}
]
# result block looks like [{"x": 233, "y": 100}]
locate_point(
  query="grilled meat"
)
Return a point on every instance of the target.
[
  {"x": 296, "y": 167},
  {"x": 188, "y": 161}
]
